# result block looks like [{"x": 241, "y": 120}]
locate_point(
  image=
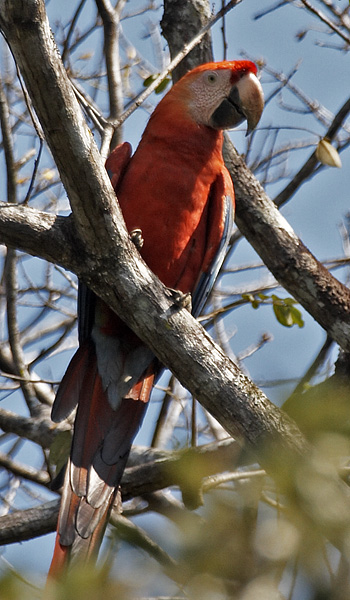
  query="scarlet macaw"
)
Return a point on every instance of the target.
[{"x": 177, "y": 191}]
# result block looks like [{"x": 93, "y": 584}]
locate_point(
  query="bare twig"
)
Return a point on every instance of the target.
[
  {"x": 320, "y": 15},
  {"x": 24, "y": 471},
  {"x": 309, "y": 166},
  {"x": 39, "y": 430},
  {"x": 8, "y": 147},
  {"x": 72, "y": 25},
  {"x": 178, "y": 58},
  {"x": 111, "y": 21}
]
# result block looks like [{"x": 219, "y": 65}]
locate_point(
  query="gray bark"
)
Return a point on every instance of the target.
[{"x": 111, "y": 266}]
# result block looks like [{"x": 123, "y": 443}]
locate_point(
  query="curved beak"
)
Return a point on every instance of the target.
[{"x": 244, "y": 102}]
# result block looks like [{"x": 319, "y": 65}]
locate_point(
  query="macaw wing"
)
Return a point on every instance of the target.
[{"x": 220, "y": 221}]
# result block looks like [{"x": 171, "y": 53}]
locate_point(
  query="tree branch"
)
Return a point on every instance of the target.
[
  {"x": 293, "y": 265},
  {"x": 39, "y": 430},
  {"x": 24, "y": 471},
  {"x": 24, "y": 525},
  {"x": 78, "y": 160},
  {"x": 309, "y": 166},
  {"x": 155, "y": 471},
  {"x": 110, "y": 16},
  {"x": 111, "y": 266},
  {"x": 320, "y": 15},
  {"x": 40, "y": 234}
]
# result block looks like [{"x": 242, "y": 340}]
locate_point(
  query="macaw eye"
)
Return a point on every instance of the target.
[{"x": 212, "y": 78}]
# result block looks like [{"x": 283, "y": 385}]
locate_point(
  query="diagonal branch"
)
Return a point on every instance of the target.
[
  {"x": 110, "y": 266},
  {"x": 293, "y": 265},
  {"x": 320, "y": 15},
  {"x": 309, "y": 166}
]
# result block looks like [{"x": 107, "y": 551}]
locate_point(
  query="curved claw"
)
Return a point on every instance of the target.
[
  {"x": 181, "y": 300},
  {"x": 136, "y": 238}
]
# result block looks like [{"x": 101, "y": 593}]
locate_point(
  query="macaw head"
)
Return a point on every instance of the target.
[{"x": 222, "y": 95}]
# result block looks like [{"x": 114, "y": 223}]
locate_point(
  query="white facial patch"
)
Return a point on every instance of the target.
[{"x": 208, "y": 90}]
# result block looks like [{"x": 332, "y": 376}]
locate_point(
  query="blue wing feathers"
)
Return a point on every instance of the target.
[{"x": 207, "y": 280}]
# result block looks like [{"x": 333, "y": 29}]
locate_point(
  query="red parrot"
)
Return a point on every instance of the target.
[{"x": 176, "y": 192}]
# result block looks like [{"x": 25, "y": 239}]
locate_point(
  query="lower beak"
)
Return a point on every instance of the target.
[{"x": 244, "y": 102}]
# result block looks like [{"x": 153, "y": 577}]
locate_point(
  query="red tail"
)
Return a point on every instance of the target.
[{"x": 100, "y": 448}]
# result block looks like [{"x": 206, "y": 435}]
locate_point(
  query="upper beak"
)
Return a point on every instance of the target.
[
  {"x": 245, "y": 101},
  {"x": 251, "y": 98}
]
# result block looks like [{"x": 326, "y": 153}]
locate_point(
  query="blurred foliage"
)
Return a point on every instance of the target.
[
  {"x": 60, "y": 449},
  {"x": 236, "y": 535},
  {"x": 161, "y": 87},
  {"x": 248, "y": 541},
  {"x": 284, "y": 308}
]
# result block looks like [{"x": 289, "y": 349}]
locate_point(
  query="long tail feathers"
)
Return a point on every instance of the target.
[{"x": 100, "y": 448}]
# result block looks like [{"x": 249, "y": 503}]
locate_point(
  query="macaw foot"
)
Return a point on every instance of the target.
[
  {"x": 181, "y": 300},
  {"x": 136, "y": 238}
]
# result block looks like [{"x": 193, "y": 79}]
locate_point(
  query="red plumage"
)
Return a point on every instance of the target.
[{"x": 176, "y": 189}]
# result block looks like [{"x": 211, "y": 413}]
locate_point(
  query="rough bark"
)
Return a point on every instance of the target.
[
  {"x": 111, "y": 266},
  {"x": 47, "y": 236},
  {"x": 293, "y": 265},
  {"x": 181, "y": 21}
]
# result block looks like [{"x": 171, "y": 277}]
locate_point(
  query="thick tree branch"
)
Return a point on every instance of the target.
[
  {"x": 27, "y": 524},
  {"x": 293, "y": 265},
  {"x": 28, "y": 32},
  {"x": 111, "y": 266},
  {"x": 190, "y": 18},
  {"x": 38, "y": 233}
]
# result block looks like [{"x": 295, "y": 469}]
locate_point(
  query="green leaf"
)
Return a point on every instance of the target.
[
  {"x": 248, "y": 297},
  {"x": 283, "y": 314},
  {"x": 297, "y": 317},
  {"x": 161, "y": 87},
  {"x": 284, "y": 308},
  {"x": 285, "y": 311},
  {"x": 60, "y": 449},
  {"x": 147, "y": 82}
]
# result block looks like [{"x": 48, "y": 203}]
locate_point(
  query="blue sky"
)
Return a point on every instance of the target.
[{"x": 316, "y": 210}]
